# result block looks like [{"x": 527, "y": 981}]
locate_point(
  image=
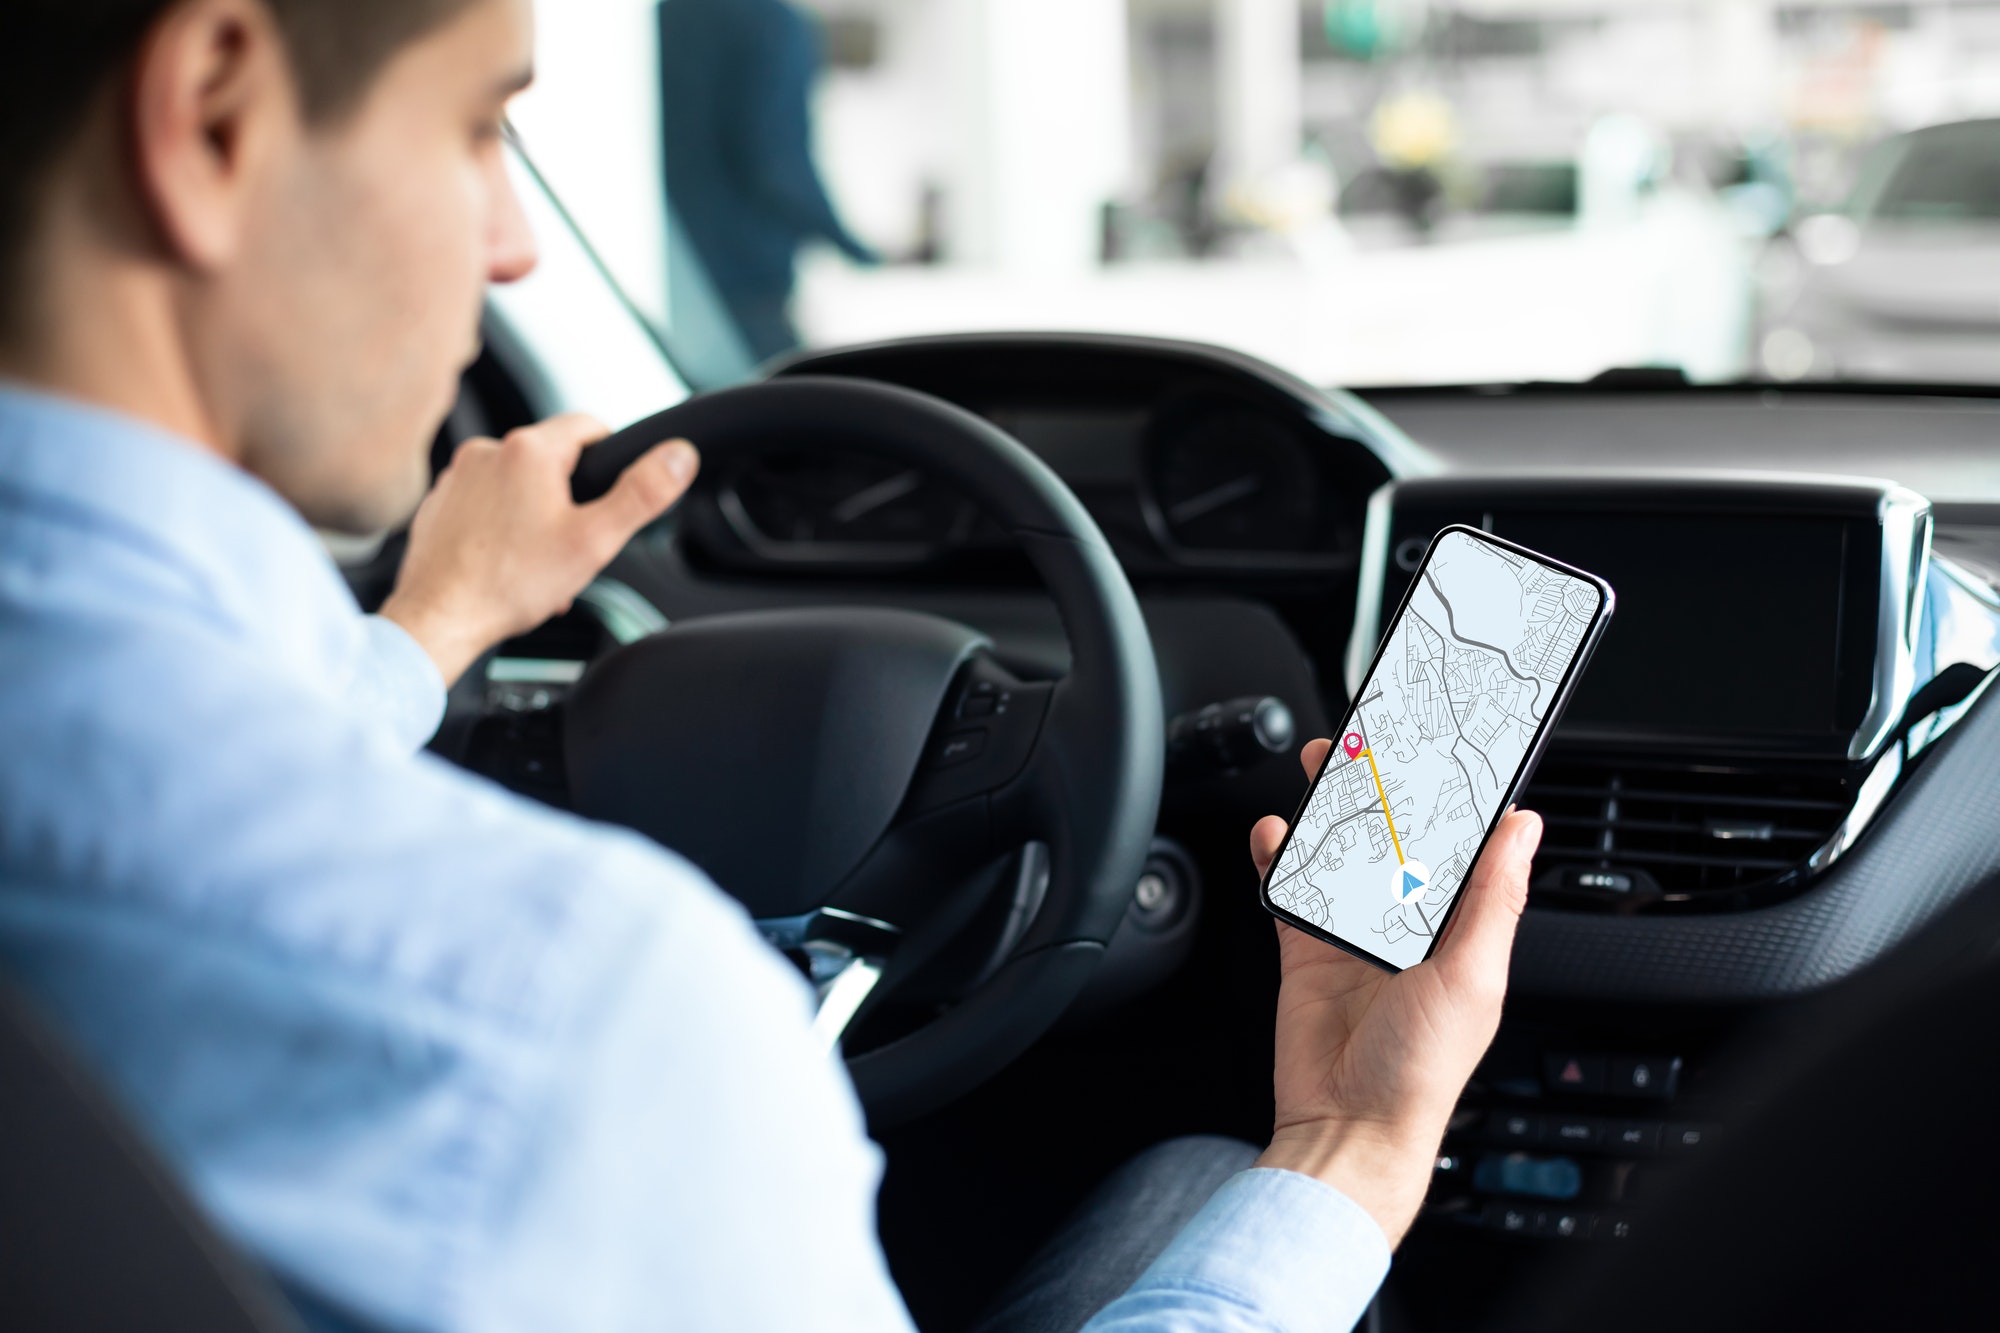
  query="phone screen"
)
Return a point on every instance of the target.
[{"x": 1472, "y": 674}]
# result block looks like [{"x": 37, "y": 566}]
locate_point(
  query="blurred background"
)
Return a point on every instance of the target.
[{"x": 1365, "y": 192}]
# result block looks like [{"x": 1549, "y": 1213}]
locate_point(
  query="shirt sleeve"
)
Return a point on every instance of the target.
[
  {"x": 1272, "y": 1252},
  {"x": 397, "y": 685}
]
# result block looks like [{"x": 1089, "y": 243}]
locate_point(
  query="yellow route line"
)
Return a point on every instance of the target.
[{"x": 1369, "y": 755}]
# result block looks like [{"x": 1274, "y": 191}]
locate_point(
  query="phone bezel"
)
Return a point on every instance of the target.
[{"x": 1607, "y": 603}]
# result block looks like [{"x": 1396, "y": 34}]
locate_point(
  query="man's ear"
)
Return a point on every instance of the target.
[{"x": 212, "y": 106}]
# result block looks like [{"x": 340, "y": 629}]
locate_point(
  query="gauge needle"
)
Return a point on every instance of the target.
[
  {"x": 874, "y": 497},
  {"x": 1228, "y": 493}
]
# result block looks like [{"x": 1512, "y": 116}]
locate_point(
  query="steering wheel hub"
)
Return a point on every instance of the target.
[{"x": 771, "y": 748}]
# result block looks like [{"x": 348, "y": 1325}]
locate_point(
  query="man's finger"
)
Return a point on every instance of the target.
[
  {"x": 1313, "y": 756},
  {"x": 1268, "y": 833},
  {"x": 562, "y": 438},
  {"x": 1481, "y": 935},
  {"x": 644, "y": 491},
  {"x": 1266, "y": 836}
]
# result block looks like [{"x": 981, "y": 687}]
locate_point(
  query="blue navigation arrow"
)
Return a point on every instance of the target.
[{"x": 1408, "y": 880}]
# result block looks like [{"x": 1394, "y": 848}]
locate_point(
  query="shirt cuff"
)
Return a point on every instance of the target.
[
  {"x": 1287, "y": 1250},
  {"x": 398, "y": 687}
]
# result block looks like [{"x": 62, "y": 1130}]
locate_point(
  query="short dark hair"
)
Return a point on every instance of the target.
[{"x": 57, "y": 56}]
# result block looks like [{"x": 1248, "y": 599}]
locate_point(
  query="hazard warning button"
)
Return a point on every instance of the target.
[{"x": 1564, "y": 1072}]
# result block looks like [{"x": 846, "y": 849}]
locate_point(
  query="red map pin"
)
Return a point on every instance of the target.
[{"x": 1352, "y": 743}]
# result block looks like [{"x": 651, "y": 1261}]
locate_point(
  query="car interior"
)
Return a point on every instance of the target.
[{"x": 971, "y": 659}]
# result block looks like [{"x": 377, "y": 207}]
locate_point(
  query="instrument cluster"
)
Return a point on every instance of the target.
[{"x": 1193, "y": 463}]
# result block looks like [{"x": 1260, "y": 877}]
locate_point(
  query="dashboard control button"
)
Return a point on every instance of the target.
[
  {"x": 1689, "y": 1138},
  {"x": 1518, "y": 1128},
  {"x": 1574, "y": 1073},
  {"x": 1574, "y": 1131},
  {"x": 1637, "y": 1137},
  {"x": 959, "y": 747},
  {"x": 1558, "y": 1178},
  {"x": 1653, "y": 1076},
  {"x": 1510, "y": 1217},
  {"x": 1564, "y": 1224}
]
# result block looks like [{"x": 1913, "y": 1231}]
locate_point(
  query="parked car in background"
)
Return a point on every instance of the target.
[{"x": 1903, "y": 281}]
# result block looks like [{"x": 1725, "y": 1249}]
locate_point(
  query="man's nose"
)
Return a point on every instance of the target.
[{"x": 511, "y": 252}]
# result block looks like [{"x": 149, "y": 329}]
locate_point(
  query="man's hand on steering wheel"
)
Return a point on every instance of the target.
[
  {"x": 1369, "y": 1063},
  {"x": 499, "y": 546}
]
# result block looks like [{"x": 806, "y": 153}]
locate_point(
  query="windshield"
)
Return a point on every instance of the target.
[
  {"x": 588, "y": 349},
  {"x": 1365, "y": 192}
]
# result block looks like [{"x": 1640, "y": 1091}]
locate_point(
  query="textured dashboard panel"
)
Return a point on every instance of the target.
[{"x": 1938, "y": 838}]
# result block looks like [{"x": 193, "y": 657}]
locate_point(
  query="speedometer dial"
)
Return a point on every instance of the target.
[
  {"x": 1224, "y": 476},
  {"x": 839, "y": 502}
]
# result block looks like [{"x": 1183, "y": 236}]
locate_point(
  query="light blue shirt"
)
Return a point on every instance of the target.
[{"x": 439, "y": 1057}]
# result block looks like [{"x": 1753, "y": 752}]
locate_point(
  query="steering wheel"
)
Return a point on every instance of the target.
[{"x": 864, "y": 779}]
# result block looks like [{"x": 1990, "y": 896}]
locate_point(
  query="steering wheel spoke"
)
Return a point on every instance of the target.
[
  {"x": 841, "y": 998},
  {"x": 843, "y": 954},
  {"x": 983, "y": 738}
]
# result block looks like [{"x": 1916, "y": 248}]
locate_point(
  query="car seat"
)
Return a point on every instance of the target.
[{"x": 94, "y": 1232}]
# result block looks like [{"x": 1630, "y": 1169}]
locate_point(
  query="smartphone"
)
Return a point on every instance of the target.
[{"x": 1479, "y": 661}]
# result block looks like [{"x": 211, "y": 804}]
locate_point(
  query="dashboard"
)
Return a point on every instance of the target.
[
  {"x": 1740, "y": 734},
  {"x": 1733, "y": 739}
]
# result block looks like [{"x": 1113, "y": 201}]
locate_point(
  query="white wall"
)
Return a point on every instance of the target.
[
  {"x": 1019, "y": 110},
  {"x": 1259, "y": 113},
  {"x": 1040, "y": 128},
  {"x": 879, "y": 132}
]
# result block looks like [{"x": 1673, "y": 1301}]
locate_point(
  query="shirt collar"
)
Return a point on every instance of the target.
[{"x": 245, "y": 550}]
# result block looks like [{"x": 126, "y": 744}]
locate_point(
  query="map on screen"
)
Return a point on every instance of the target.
[{"x": 1438, "y": 732}]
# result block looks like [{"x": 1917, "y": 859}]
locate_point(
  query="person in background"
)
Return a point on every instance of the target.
[{"x": 736, "y": 131}]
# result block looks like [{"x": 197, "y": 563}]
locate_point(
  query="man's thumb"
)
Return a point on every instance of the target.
[{"x": 646, "y": 489}]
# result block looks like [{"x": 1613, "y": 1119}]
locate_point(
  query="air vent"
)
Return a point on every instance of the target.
[{"x": 1645, "y": 836}]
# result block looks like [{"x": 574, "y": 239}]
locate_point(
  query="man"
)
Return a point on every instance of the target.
[
  {"x": 736, "y": 140},
  {"x": 439, "y": 1058}
]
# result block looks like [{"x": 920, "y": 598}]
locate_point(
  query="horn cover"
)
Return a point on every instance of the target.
[{"x": 771, "y": 748}]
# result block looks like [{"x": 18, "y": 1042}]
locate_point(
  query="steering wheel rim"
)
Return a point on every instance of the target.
[{"x": 1090, "y": 786}]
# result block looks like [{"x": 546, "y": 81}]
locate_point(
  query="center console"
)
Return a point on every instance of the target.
[{"x": 1731, "y": 739}]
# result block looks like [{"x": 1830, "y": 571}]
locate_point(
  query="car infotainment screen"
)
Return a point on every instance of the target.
[{"x": 1747, "y": 610}]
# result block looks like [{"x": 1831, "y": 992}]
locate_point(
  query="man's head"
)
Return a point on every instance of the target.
[{"x": 265, "y": 223}]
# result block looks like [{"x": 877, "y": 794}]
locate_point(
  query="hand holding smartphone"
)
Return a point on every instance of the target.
[
  {"x": 1447, "y": 726},
  {"x": 1454, "y": 710}
]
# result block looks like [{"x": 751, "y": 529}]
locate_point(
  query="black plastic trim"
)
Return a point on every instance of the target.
[{"x": 1937, "y": 839}]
